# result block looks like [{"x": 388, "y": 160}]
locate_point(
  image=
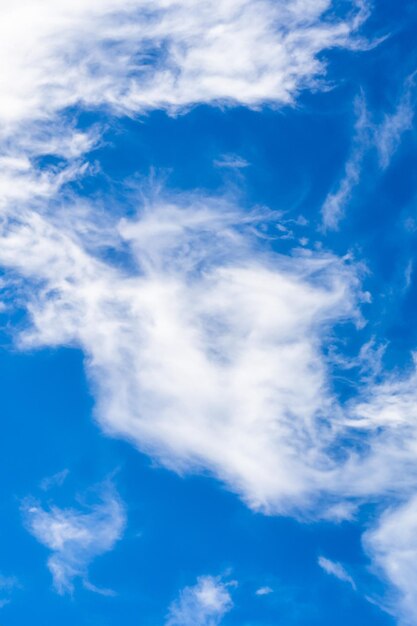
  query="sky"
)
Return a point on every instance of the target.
[{"x": 208, "y": 248}]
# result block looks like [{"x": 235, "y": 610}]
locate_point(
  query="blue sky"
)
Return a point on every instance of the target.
[{"x": 208, "y": 252}]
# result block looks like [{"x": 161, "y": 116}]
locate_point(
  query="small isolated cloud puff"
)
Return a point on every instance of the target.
[
  {"x": 264, "y": 591},
  {"x": 336, "y": 569},
  {"x": 7, "y": 585},
  {"x": 205, "y": 604},
  {"x": 76, "y": 537}
]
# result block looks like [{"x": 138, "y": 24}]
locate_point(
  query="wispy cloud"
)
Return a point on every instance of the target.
[
  {"x": 205, "y": 604},
  {"x": 264, "y": 591},
  {"x": 57, "y": 480},
  {"x": 392, "y": 545},
  {"x": 206, "y": 351},
  {"x": 336, "y": 201},
  {"x": 76, "y": 536},
  {"x": 389, "y": 133},
  {"x": 384, "y": 137},
  {"x": 7, "y": 585},
  {"x": 337, "y": 570},
  {"x": 196, "y": 356},
  {"x": 133, "y": 56},
  {"x": 232, "y": 161}
]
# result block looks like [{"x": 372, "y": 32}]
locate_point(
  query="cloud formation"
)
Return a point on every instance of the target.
[
  {"x": 196, "y": 352},
  {"x": 199, "y": 289},
  {"x": 8, "y": 584},
  {"x": 392, "y": 546},
  {"x": 264, "y": 591},
  {"x": 337, "y": 570},
  {"x": 384, "y": 137},
  {"x": 134, "y": 56},
  {"x": 75, "y": 536},
  {"x": 195, "y": 348},
  {"x": 337, "y": 200},
  {"x": 204, "y": 350},
  {"x": 205, "y": 604}
]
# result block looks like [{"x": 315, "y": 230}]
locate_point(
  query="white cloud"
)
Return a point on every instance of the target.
[
  {"x": 389, "y": 134},
  {"x": 385, "y": 137},
  {"x": 232, "y": 161},
  {"x": 208, "y": 355},
  {"x": 264, "y": 591},
  {"x": 388, "y": 409},
  {"x": 337, "y": 200},
  {"x": 75, "y": 536},
  {"x": 197, "y": 355},
  {"x": 7, "y": 585},
  {"x": 392, "y": 545},
  {"x": 196, "y": 352},
  {"x": 336, "y": 569},
  {"x": 135, "y": 56},
  {"x": 205, "y": 604},
  {"x": 205, "y": 351}
]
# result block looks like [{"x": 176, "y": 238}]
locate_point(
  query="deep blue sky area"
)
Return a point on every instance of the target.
[{"x": 271, "y": 157}]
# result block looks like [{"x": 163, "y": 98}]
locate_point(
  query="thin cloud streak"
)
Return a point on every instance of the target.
[
  {"x": 333, "y": 568},
  {"x": 196, "y": 357},
  {"x": 384, "y": 137}
]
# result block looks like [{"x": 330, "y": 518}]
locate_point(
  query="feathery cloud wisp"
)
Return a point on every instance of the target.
[
  {"x": 75, "y": 537},
  {"x": 196, "y": 354},
  {"x": 385, "y": 137},
  {"x": 134, "y": 56},
  {"x": 392, "y": 545},
  {"x": 337, "y": 570}
]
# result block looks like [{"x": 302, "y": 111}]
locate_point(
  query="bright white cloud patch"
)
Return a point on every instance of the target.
[
  {"x": 197, "y": 355},
  {"x": 76, "y": 537},
  {"x": 134, "y": 55},
  {"x": 206, "y": 341},
  {"x": 206, "y": 351},
  {"x": 205, "y": 604},
  {"x": 392, "y": 544},
  {"x": 336, "y": 569}
]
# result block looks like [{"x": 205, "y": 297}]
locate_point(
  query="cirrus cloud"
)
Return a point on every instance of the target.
[{"x": 76, "y": 537}]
